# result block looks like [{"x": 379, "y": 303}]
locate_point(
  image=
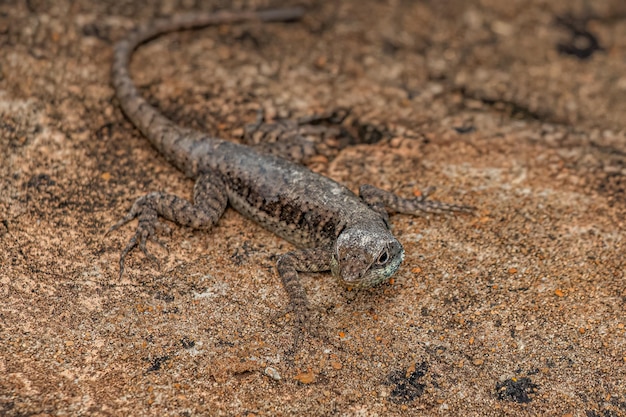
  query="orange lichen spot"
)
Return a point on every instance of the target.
[
  {"x": 416, "y": 270},
  {"x": 512, "y": 271},
  {"x": 305, "y": 377},
  {"x": 321, "y": 61},
  {"x": 106, "y": 176},
  {"x": 336, "y": 365},
  {"x": 559, "y": 293},
  {"x": 417, "y": 192},
  {"x": 391, "y": 281},
  {"x": 582, "y": 330},
  {"x": 471, "y": 340},
  {"x": 342, "y": 335}
]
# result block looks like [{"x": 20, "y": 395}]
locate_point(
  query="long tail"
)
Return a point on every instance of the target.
[{"x": 164, "y": 134}]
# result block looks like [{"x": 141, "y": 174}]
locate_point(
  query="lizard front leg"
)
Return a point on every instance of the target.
[
  {"x": 210, "y": 199},
  {"x": 288, "y": 265},
  {"x": 383, "y": 201}
]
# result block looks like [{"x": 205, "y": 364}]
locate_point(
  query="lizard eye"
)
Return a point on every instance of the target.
[{"x": 383, "y": 258}]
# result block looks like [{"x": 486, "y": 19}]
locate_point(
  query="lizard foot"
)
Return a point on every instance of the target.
[
  {"x": 210, "y": 197},
  {"x": 146, "y": 230}
]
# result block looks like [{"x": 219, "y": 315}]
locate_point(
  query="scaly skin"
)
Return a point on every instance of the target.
[{"x": 334, "y": 228}]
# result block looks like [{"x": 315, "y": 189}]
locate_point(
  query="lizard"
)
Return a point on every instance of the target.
[{"x": 333, "y": 228}]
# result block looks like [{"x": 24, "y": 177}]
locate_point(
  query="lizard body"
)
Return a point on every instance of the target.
[{"x": 334, "y": 228}]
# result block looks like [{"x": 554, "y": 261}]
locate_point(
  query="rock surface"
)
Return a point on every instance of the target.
[{"x": 517, "y": 107}]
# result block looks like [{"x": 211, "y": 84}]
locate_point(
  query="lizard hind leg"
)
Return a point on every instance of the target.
[
  {"x": 210, "y": 201},
  {"x": 384, "y": 201},
  {"x": 298, "y": 140}
]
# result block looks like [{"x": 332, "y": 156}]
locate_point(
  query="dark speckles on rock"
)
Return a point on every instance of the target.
[
  {"x": 407, "y": 384},
  {"x": 516, "y": 389},
  {"x": 157, "y": 363},
  {"x": 187, "y": 342},
  {"x": 40, "y": 180}
]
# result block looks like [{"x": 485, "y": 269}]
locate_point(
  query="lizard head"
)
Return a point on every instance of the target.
[{"x": 363, "y": 257}]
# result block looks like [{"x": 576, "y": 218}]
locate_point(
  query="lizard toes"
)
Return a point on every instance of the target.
[
  {"x": 131, "y": 244},
  {"x": 142, "y": 245},
  {"x": 160, "y": 243},
  {"x": 138, "y": 208},
  {"x": 148, "y": 223},
  {"x": 130, "y": 216}
]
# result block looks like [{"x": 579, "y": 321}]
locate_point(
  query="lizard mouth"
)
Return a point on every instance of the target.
[
  {"x": 363, "y": 283},
  {"x": 370, "y": 278}
]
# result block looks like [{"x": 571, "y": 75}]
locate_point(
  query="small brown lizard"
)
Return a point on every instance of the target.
[{"x": 334, "y": 229}]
